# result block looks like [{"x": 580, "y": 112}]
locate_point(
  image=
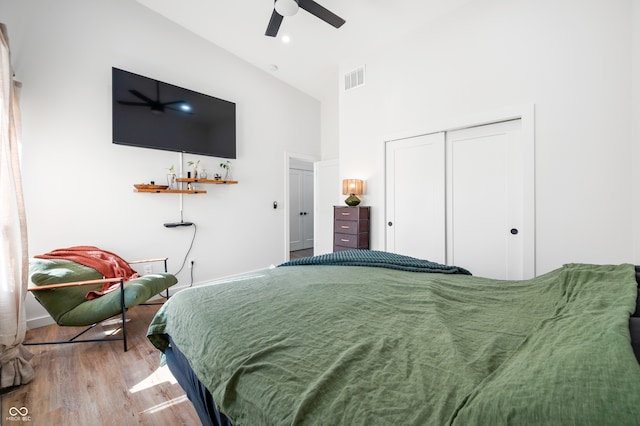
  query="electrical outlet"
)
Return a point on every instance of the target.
[{"x": 148, "y": 270}]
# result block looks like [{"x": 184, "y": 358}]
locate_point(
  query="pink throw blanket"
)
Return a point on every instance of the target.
[{"x": 110, "y": 265}]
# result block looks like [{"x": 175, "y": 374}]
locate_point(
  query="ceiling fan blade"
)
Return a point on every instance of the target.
[
  {"x": 173, "y": 102},
  {"x": 321, "y": 12},
  {"x": 135, "y": 93},
  {"x": 274, "y": 24},
  {"x": 133, "y": 103}
]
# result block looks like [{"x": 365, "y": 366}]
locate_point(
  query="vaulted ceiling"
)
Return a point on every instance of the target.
[{"x": 310, "y": 60}]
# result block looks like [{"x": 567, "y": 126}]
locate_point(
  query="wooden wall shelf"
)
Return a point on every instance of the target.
[
  {"x": 174, "y": 191},
  {"x": 213, "y": 181},
  {"x": 189, "y": 191}
]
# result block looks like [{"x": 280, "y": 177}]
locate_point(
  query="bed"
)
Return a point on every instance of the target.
[{"x": 372, "y": 338}]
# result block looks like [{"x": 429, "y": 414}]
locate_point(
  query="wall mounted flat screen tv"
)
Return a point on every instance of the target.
[{"x": 148, "y": 113}]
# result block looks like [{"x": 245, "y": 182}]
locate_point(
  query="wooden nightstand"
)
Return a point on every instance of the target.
[{"x": 350, "y": 228}]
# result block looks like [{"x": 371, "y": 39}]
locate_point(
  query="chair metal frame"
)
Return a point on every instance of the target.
[{"x": 123, "y": 308}]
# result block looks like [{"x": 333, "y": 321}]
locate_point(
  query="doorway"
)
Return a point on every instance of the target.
[{"x": 300, "y": 211}]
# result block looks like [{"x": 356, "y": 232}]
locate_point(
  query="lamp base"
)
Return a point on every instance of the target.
[{"x": 352, "y": 200}]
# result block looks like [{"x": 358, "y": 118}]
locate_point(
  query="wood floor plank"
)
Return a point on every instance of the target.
[{"x": 98, "y": 383}]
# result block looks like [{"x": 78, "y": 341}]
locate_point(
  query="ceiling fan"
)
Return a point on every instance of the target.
[
  {"x": 156, "y": 106},
  {"x": 290, "y": 7}
]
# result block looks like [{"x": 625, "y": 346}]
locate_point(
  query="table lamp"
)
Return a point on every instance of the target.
[{"x": 352, "y": 187}]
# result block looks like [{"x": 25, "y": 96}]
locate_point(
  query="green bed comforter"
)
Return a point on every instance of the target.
[{"x": 354, "y": 345}]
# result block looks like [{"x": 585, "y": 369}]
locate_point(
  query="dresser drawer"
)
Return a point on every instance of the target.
[
  {"x": 351, "y": 227},
  {"x": 351, "y": 241},
  {"x": 351, "y": 213}
]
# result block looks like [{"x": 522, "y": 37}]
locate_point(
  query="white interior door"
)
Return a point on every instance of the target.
[
  {"x": 301, "y": 212},
  {"x": 307, "y": 209},
  {"x": 415, "y": 190},
  {"x": 485, "y": 225},
  {"x": 464, "y": 198},
  {"x": 327, "y": 194},
  {"x": 295, "y": 203}
]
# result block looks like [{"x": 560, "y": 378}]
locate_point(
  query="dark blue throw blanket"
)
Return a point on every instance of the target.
[{"x": 380, "y": 259}]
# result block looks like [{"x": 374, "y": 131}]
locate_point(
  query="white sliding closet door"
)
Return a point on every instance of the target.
[
  {"x": 485, "y": 200},
  {"x": 415, "y": 189},
  {"x": 464, "y": 198}
]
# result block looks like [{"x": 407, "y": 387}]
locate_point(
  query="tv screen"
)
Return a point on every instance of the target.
[{"x": 148, "y": 113}]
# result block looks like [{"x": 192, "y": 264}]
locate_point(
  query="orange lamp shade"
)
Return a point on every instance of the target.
[{"x": 352, "y": 186}]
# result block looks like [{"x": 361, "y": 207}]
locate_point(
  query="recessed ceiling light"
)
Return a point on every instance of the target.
[{"x": 286, "y": 39}]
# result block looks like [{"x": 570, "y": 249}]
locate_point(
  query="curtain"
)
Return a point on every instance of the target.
[{"x": 15, "y": 368}]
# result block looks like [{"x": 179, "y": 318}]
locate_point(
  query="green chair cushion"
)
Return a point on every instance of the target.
[{"x": 69, "y": 307}]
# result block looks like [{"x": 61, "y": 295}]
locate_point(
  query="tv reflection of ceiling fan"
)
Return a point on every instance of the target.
[
  {"x": 156, "y": 106},
  {"x": 284, "y": 8}
]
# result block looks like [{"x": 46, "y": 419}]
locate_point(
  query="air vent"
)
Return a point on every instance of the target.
[{"x": 354, "y": 79}]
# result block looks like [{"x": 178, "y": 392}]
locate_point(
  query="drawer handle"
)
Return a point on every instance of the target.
[
  {"x": 345, "y": 214},
  {"x": 345, "y": 227},
  {"x": 344, "y": 240}
]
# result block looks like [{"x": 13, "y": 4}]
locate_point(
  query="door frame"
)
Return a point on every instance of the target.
[
  {"x": 526, "y": 113},
  {"x": 288, "y": 156}
]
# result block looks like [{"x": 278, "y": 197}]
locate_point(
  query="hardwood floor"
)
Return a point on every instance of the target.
[
  {"x": 297, "y": 254},
  {"x": 98, "y": 383}
]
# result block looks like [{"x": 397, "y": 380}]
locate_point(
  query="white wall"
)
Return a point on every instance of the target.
[
  {"x": 79, "y": 186},
  {"x": 570, "y": 58},
  {"x": 330, "y": 132}
]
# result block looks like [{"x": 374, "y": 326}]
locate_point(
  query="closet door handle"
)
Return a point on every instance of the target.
[
  {"x": 514, "y": 231},
  {"x": 390, "y": 223}
]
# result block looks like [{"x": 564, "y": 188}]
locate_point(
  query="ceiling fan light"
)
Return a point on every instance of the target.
[{"x": 286, "y": 7}]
